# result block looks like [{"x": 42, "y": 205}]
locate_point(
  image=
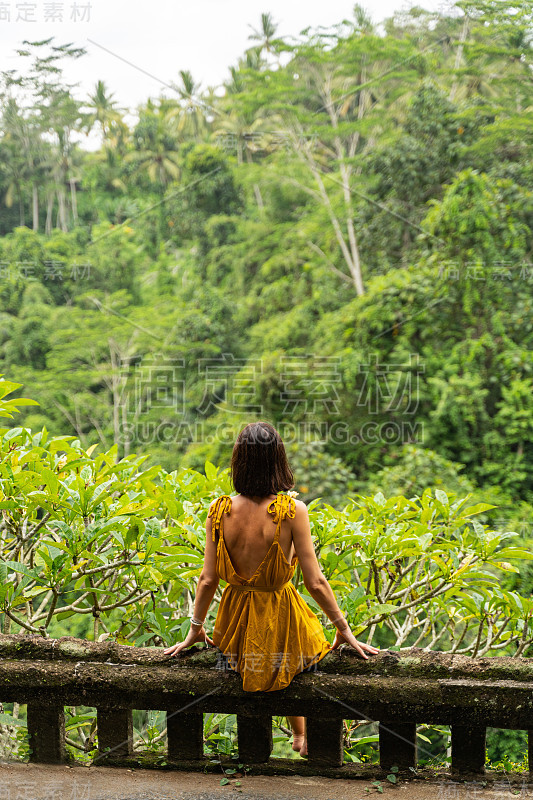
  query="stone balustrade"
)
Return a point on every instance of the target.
[{"x": 398, "y": 690}]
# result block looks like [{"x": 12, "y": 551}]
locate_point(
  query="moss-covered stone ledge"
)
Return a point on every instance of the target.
[
  {"x": 397, "y": 689},
  {"x": 344, "y": 661}
]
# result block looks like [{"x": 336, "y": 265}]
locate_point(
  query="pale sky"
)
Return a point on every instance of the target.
[{"x": 163, "y": 36}]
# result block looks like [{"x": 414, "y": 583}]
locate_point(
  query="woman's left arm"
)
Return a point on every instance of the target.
[{"x": 205, "y": 591}]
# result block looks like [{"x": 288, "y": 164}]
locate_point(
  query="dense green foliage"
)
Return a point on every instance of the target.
[
  {"x": 88, "y": 537},
  {"x": 339, "y": 242}
]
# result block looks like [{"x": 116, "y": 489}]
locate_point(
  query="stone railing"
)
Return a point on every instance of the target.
[{"x": 400, "y": 690}]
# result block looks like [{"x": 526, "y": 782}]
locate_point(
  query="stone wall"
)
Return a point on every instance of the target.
[{"x": 399, "y": 690}]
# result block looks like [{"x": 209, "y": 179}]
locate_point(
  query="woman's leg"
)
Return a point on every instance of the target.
[{"x": 298, "y": 738}]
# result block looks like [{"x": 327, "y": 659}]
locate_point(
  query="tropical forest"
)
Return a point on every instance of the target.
[{"x": 338, "y": 240}]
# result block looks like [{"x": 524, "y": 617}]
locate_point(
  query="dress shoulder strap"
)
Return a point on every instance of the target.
[
  {"x": 283, "y": 506},
  {"x": 218, "y": 507}
]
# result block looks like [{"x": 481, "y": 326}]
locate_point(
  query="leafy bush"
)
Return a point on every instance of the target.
[{"x": 89, "y": 537}]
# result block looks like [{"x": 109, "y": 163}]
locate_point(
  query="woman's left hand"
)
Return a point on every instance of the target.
[{"x": 195, "y": 635}]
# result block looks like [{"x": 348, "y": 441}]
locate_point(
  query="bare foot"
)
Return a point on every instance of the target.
[
  {"x": 297, "y": 741},
  {"x": 303, "y": 748}
]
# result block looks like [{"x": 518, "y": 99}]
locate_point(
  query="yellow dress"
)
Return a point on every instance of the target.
[{"x": 263, "y": 625}]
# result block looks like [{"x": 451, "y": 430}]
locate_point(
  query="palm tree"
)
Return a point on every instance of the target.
[
  {"x": 25, "y": 155},
  {"x": 109, "y": 160},
  {"x": 13, "y": 164},
  {"x": 56, "y": 113},
  {"x": 156, "y": 155},
  {"x": 235, "y": 85},
  {"x": 253, "y": 59},
  {"x": 12, "y": 168},
  {"x": 156, "y": 150},
  {"x": 103, "y": 111},
  {"x": 491, "y": 53},
  {"x": 108, "y": 116},
  {"x": 363, "y": 20},
  {"x": 250, "y": 135},
  {"x": 266, "y": 35},
  {"x": 158, "y": 162},
  {"x": 192, "y": 110}
]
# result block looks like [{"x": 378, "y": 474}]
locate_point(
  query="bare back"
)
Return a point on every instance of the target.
[{"x": 249, "y": 532}]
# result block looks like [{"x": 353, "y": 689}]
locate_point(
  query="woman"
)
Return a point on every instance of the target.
[{"x": 264, "y": 628}]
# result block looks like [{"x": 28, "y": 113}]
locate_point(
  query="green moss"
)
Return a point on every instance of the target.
[{"x": 408, "y": 661}]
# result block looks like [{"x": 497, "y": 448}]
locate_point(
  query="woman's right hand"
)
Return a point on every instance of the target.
[{"x": 347, "y": 637}]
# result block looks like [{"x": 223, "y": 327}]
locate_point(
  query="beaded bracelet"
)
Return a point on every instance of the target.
[{"x": 197, "y": 622}]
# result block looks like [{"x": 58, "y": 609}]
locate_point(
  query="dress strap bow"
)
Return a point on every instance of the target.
[
  {"x": 219, "y": 506},
  {"x": 283, "y": 506}
]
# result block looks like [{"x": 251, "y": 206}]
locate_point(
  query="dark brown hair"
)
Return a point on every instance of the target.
[{"x": 259, "y": 464}]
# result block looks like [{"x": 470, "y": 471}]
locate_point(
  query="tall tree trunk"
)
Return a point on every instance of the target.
[
  {"x": 62, "y": 209},
  {"x": 353, "y": 266},
  {"x": 459, "y": 56},
  {"x": 74, "y": 200},
  {"x": 257, "y": 190},
  {"x": 22, "y": 219},
  {"x": 35, "y": 208},
  {"x": 49, "y": 212},
  {"x": 354, "y": 261},
  {"x": 354, "y": 249}
]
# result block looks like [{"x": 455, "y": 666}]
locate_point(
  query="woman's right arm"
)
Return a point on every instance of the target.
[{"x": 316, "y": 583}]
